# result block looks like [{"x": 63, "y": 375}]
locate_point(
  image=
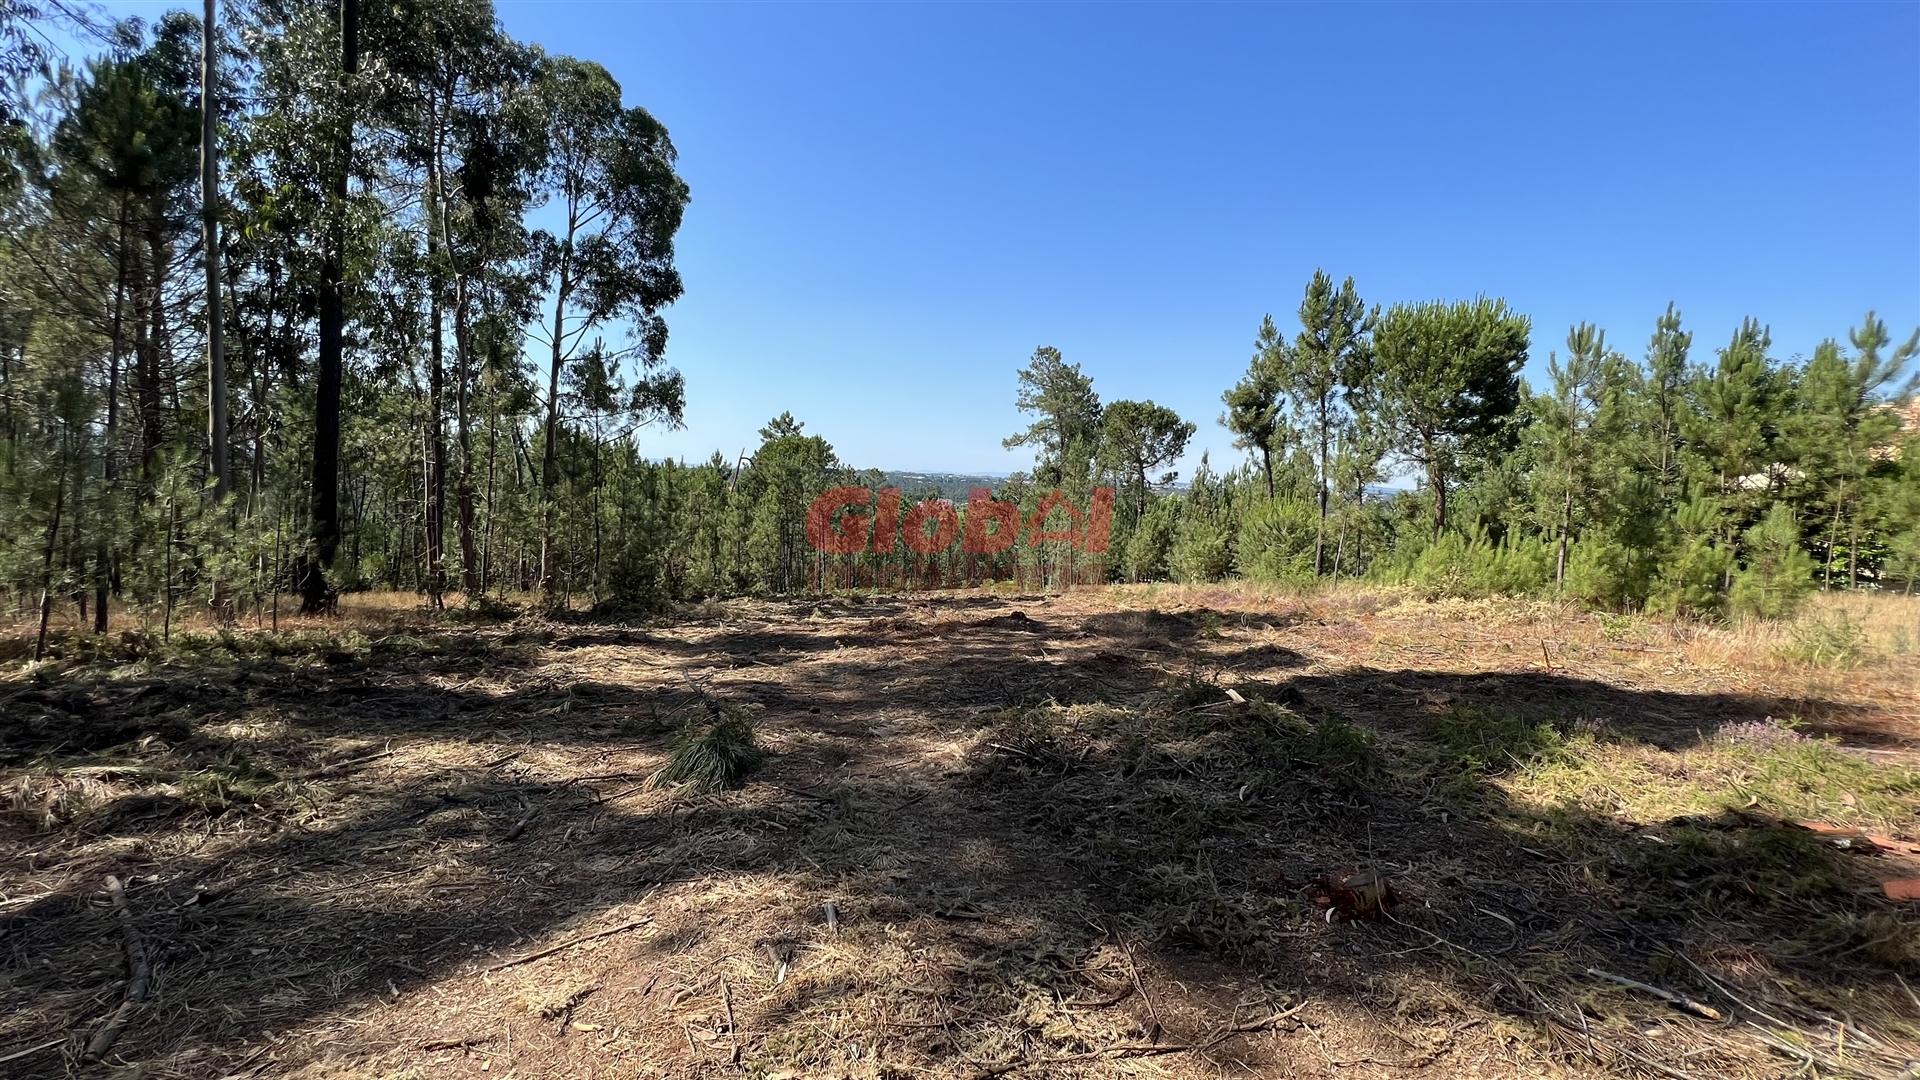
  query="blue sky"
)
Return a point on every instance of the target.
[{"x": 893, "y": 204}]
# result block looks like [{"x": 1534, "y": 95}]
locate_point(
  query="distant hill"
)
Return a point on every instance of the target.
[{"x": 955, "y": 486}]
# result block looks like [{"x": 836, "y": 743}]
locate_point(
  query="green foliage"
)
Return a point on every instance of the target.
[
  {"x": 1067, "y": 411},
  {"x": 1828, "y": 642},
  {"x": 501, "y": 267},
  {"x": 1474, "y": 740},
  {"x": 1137, "y": 440},
  {"x": 1778, "y": 574},
  {"x": 1200, "y": 550},
  {"x": 1449, "y": 378},
  {"x": 1150, "y": 542},
  {"x": 1460, "y": 566},
  {"x": 1608, "y": 574},
  {"x": 1277, "y": 541},
  {"x": 1333, "y": 743},
  {"x": 713, "y": 756},
  {"x": 1691, "y": 582}
]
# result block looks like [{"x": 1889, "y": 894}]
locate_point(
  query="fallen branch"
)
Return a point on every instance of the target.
[
  {"x": 139, "y": 973},
  {"x": 456, "y": 1044},
  {"x": 29, "y": 1051},
  {"x": 1678, "y": 1001},
  {"x": 568, "y": 944},
  {"x": 341, "y": 766}
]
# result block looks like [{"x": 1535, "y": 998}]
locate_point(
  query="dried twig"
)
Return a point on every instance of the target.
[
  {"x": 1124, "y": 1050},
  {"x": 1678, "y": 1001},
  {"x": 733, "y": 1034},
  {"x": 139, "y": 972},
  {"x": 568, "y": 944},
  {"x": 29, "y": 1051}
]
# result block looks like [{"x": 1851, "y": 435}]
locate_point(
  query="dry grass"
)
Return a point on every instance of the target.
[{"x": 1089, "y": 835}]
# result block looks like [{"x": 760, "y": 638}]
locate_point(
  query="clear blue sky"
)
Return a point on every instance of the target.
[{"x": 893, "y": 204}]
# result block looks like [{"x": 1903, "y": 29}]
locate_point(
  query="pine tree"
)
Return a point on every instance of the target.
[
  {"x": 1332, "y": 347},
  {"x": 1066, "y": 431},
  {"x": 1254, "y": 413},
  {"x": 1449, "y": 379}
]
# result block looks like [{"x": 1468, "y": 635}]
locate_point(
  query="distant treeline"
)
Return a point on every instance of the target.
[{"x": 1702, "y": 482}]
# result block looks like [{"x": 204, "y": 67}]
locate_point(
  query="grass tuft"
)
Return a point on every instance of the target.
[
  {"x": 1477, "y": 741},
  {"x": 713, "y": 757},
  {"x": 1820, "y": 641}
]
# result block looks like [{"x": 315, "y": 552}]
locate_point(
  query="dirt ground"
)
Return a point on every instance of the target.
[{"x": 1122, "y": 832}]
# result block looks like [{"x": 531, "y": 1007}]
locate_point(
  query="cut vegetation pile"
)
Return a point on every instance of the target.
[{"x": 1122, "y": 832}]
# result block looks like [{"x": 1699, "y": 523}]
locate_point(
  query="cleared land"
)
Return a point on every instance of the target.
[{"x": 1132, "y": 831}]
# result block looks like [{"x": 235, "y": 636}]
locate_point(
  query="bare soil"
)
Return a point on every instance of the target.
[{"x": 1121, "y": 832}]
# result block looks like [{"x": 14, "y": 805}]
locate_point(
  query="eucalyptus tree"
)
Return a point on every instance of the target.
[
  {"x": 609, "y": 176},
  {"x": 458, "y": 107}
]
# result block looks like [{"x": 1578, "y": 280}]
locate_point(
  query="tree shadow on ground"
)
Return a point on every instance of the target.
[{"x": 1016, "y": 799}]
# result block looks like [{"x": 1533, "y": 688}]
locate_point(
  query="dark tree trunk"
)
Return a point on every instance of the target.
[
  {"x": 210, "y": 241},
  {"x": 314, "y": 593}
]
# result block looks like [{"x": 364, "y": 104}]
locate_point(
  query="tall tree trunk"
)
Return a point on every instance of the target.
[
  {"x": 486, "y": 555},
  {"x": 46, "y": 557},
  {"x": 147, "y": 361},
  {"x": 110, "y": 466},
  {"x": 463, "y": 493},
  {"x": 549, "y": 454},
  {"x": 1566, "y": 528},
  {"x": 1437, "y": 479},
  {"x": 436, "y": 455},
  {"x": 325, "y": 511},
  {"x": 210, "y": 241},
  {"x": 1320, "y": 528}
]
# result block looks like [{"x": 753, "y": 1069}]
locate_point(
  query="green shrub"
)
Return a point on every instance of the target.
[
  {"x": 1604, "y": 573},
  {"x": 712, "y": 757},
  {"x": 1334, "y": 743},
  {"x": 1839, "y": 642},
  {"x": 1689, "y": 583},
  {"x": 1144, "y": 558},
  {"x": 1477, "y": 741},
  {"x": 1455, "y": 565},
  {"x": 1778, "y": 574},
  {"x": 1276, "y": 541},
  {"x": 1200, "y": 551}
]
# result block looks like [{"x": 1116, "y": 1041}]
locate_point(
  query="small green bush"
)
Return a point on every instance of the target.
[
  {"x": 1459, "y": 566},
  {"x": 1145, "y": 556},
  {"x": 712, "y": 757},
  {"x": 1477, "y": 741},
  {"x": 1778, "y": 574},
  {"x": 1837, "y": 642},
  {"x": 1200, "y": 551},
  {"x": 1689, "y": 583},
  {"x": 1604, "y": 573},
  {"x": 1276, "y": 541}
]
